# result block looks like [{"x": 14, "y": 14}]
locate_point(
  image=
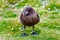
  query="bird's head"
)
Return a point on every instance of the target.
[{"x": 28, "y": 10}]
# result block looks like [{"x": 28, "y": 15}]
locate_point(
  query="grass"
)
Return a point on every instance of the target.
[
  {"x": 47, "y": 29},
  {"x": 7, "y": 13}
]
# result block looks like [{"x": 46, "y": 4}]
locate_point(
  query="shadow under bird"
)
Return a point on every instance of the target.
[{"x": 29, "y": 17}]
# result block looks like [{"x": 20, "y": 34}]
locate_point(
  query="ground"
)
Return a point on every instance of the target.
[{"x": 48, "y": 28}]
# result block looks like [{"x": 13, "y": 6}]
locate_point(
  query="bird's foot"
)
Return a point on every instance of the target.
[
  {"x": 34, "y": 33},
  {"x": 24, "y": 34}
]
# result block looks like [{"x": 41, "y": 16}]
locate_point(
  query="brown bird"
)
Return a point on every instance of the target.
[{"x": 29, "y": 17}]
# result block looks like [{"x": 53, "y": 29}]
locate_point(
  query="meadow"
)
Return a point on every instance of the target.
[{"x": 48, "y": 28}]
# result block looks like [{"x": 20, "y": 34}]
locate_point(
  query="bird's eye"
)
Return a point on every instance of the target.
[{"x": 27, "y": 14}]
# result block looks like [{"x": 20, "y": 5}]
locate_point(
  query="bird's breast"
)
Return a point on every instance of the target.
[{"x": 29, "y": 20}]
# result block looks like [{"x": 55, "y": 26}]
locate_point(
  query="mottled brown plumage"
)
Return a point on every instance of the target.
[{"x": 29, "y": 17}]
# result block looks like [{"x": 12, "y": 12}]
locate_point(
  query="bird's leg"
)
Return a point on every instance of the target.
[
  {"x": 33, "y": 28},
  {"x": 24, "y": 34},
  {"x": 33, "y": 32}
]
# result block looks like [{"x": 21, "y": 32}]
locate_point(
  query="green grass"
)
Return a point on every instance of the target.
[
  {"x": 48, "y": 28},
  {"x": 8, "y": 14},
  {"x": 44, "y": 32}
]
